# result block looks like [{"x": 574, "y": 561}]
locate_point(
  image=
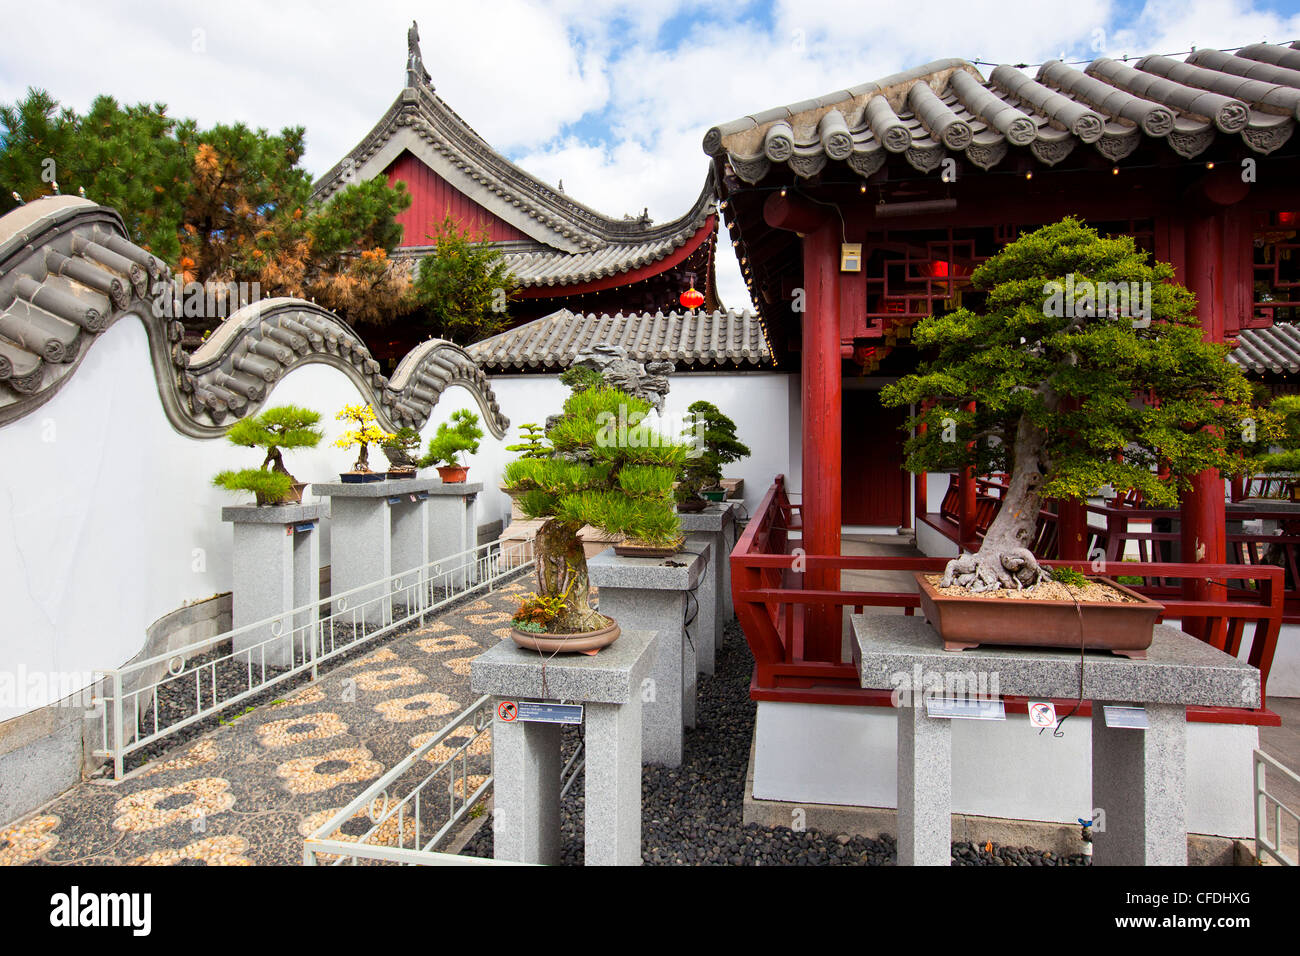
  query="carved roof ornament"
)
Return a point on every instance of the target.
[
  {"x": 68, "y": 273},
  {"x": 947, "y": 108},
  {"x": 415, "y": 71}
]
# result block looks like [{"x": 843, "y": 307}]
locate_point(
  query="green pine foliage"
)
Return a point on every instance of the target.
[
  {"x": 460, "y": 434},
  {"x": 716, "y": 446},
  {"x": 276, "y": 429},
  {"x": 463, "y": 288},
  {"x": 608, "y": 469},
  {"x": 1114, "y": 399},
  {"x": 532, "y": 443}
]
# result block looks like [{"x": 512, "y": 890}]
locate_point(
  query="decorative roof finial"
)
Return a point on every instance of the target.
[{"x": 415, "y": 71}]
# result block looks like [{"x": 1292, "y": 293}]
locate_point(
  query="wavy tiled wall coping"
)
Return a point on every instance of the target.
[{"x": 68, "y": 273}]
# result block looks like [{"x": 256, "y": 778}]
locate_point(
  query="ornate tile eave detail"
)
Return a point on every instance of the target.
[{"x": 68, "y": 273}]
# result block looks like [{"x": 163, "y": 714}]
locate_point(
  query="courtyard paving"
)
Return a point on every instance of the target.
[{"x": 249, "y": 791}]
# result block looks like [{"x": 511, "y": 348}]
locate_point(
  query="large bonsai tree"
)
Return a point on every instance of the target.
[
  {"x": 606, "y": 468},
  {"x": 1085, "y": 367},
  {"x": 276, "y": 429}
]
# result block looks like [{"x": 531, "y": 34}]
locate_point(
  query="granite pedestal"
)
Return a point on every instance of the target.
[
  {"x": 276, "y": 569},
  {"x": 452, "y": 529},
  {"x": 526, "y": 764},
  {"x": 377, "y": 529},
  {"x": 1138, "y": 776},
  {"x": 651, "y": 594},
  {"x": 713, "y": 527}
]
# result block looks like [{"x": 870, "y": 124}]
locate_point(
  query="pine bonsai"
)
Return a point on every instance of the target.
[
  {"x": 532, "y": 442},
  {"x": 276, "y": 429},
  {"x": 461, "y": 434},
  {"x": 1085, "y": 367},
  {"x": 606, "y": 468},
  {"x": 716, "y": 445},
  {"x": 365, "y": 433},
  {"x": 398, "y": 447}
]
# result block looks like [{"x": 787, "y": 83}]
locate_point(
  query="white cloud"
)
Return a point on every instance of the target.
[{"x": 611, "y": 96}]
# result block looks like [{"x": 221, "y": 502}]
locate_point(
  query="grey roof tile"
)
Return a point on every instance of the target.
[
  {"x": 694, "y": 339},
  {"x": 1110, "y": 106}
]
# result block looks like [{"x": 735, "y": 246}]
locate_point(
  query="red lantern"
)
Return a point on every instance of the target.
[{"x": 691, "y": 298}]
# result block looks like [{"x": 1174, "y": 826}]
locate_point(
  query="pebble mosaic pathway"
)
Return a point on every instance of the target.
[{"x": 248, "y": 792}]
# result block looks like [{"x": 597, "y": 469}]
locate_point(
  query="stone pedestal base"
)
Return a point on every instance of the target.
[
  {"x": 646, "y": 594},
  {"x": 526, "y": 761},
  {"x": 276, "y": 569}
]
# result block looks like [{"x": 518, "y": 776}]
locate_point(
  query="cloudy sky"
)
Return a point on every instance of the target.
[{"x": 612, "y": 97}]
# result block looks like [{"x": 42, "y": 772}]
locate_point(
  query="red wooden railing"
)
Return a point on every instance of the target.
[{"x": 771, "y": 601}]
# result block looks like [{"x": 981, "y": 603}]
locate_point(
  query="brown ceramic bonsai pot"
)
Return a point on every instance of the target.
[
  {"x": 567, "y": 643},
  {"x": 627, "y": 548},
  {"x": 692, "y": 505},
  {"x": 1122, "y": 628},
  {"x": 452, "y": 474},
  {"x": 401, "y": 473}
]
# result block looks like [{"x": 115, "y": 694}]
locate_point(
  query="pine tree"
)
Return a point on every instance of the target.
[
  {"x": 1070, "y": 395},
  {"x": 462, "y": 288}
]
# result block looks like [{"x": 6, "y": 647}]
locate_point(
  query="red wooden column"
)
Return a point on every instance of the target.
[
  {"x": 1213, "y": 274},
  {"x": 1072, "y": 530},
  {"x": 822, "y": 405}
]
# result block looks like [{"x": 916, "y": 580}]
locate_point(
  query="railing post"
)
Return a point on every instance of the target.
[{"x": 117, "y": 726}]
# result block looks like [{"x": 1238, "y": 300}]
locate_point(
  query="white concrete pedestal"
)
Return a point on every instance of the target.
[
  {"x": 650, "y": 594},
  {"x": 276, "y": 569},
  {"x": 452, "y": 531},
  {"x": 526, "y": 764}
]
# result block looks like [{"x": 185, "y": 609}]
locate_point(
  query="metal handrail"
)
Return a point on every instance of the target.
[
  {"x": 420, "y": 851},
  {"x": 1263, "y": 798},
  {"x": 358, "y": 615}
]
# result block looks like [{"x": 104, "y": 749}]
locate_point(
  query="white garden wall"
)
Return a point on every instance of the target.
[{"x": 108, "y": 519}]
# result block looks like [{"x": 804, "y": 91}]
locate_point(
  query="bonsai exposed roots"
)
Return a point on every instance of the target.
[{"x": 1012, "y": 568}]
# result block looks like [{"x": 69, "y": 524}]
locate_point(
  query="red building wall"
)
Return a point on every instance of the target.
[{"x": 432, "y": 197}]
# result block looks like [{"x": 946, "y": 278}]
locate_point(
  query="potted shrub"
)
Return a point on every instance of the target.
[
  {"x": 1066, "y": 397},
  {"x": 715, "y": 445},
  {"x": 606, "y": 468},
  {"x": 276, "y": 429},
  {"x": 362, "y": 435},
  {"x": 397, "y": 448},
  {"x": 461, "y": 434}
]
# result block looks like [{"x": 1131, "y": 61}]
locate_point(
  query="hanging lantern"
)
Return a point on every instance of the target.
[{"x": 691, "y": 298}]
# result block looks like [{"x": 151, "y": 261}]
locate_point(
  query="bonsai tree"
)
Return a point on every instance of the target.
[
  {"x": 461, "y": 434},
  {"x": 606, "y": 468},
  {"x": 1286, "y": 461},
  {"x": 276, "y": 429},
  {"x": 532, "y": 443},
  {"x": 716, "y": 445},
  {"x": 398, "y": 447},
  {"x": 364, "y": 433},
  {"x": 1067, "y": 396}
]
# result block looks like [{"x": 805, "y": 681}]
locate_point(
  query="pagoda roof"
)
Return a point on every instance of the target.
[
  {"x": 695, "y": 339},
  {"x": 948, "y": 108},
  {"x": 571, "y": 242}
]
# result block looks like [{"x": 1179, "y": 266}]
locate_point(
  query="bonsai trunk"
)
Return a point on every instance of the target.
[
  {"x": 1004, "y": 559},
  {"x": 562, "y": 572}
]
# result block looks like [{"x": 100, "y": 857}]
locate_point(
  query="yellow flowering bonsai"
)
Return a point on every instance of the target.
[{"x": 363, "y": 434}]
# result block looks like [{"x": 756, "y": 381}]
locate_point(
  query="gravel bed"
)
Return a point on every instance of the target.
[
  {"x": 177, "y": 698},
  {"x": 691, "y": 815}
]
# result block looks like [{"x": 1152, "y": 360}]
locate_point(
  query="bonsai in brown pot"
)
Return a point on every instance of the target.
[
  {"x": 460, "y": 435},
  {"x": 1085, "y": 367},
  {"x": 276, "y": 429},
  {"x": 397, "y": 448},
  {"x": 605, "y": 468}
]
